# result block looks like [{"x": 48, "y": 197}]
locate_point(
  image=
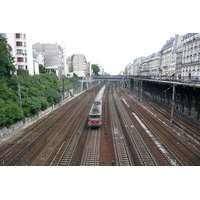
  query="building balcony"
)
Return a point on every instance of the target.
[
  {"x": 191, "y": 63},
  {"x": 165, "y": 67}
]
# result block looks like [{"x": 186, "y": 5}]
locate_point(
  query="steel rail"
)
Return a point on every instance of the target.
[
  {"x": 122, "y": 153},
  {"x": 71, "y": 146},
  {"x": 91, "y": 150},
  {"x": 171, "y": 137}
]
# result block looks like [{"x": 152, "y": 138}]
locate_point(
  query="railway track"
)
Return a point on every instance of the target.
[
  {"x": 144, "y": 154},
  {"x": 36, "y": 138},
  {"x": 183, "y": 127},
  {"x": 69, "y": 152},
  {"x": 178, "y": 122},
  {"x": 122, "y": 153},
  {"x": 183, "y": 152},
  {"x": 131, "y": 134},
  {"x": 58, "y": 139},
  {"x": 91, "y": 150}
]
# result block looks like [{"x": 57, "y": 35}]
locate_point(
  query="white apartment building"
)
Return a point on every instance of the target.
[
  {"x": 129, "y": 69},
  {"x": 155, "y": 64},
  {"x": 38, "y": 57},
  {"x": 191, "y": 56},
  {"x": 22, "y": 51},
  {"x": 54, "y": 58},
  {"x": 179, "y": 57},
  {"x": 145, "y": 67},
  {"x": 166, "y": 53},
  {"x": 136, "y": 65}
]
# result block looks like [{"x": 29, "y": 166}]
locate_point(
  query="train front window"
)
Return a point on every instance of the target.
[{"x": 94, "y": 116}]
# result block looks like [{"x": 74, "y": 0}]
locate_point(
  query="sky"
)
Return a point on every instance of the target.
[{"x": 110, "y": 33}]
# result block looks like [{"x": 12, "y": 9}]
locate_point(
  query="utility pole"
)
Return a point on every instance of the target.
[
  {"x": 63, "y": 86},
  {"x": 135, "y": 88},
  {"x": 19, "y": 96},
  {"x": 140, "y": 82},
  {"x": 172, "y": 111}
]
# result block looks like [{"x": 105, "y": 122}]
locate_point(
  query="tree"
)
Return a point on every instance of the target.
[
  {"x": 42, "y": 69},
  {"x": 7, "y": 67},
  {"x": 95, "y": 69}
]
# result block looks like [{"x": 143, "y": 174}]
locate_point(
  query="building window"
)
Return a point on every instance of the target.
[
  {"x": 19, "y": 51},
  {"x": 20, "y": 59},
  {"x": 20, "y": 66},
  {"x": 19, "y": 44},
  {"x": 19, "y": 35}
]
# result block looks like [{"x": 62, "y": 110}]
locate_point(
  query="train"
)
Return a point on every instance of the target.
[{"x": 95, "y": 114}]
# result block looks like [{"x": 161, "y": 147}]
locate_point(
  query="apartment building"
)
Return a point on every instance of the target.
[
  {"x": 150, "y": 65},
  {"x": 54, "y": 58},
  {"x": 136, "y": 65},
  {"x": 179, "y": 57},
  {"x": 69, "y": 64},
  {"x": 155, "y": 64},
  {"x": 129, "y": 69},
  {"x": 79, "y": 65},
  {"x": 38, "y": 57},
  {"x": 22, "y": 51},
  {"x": 191, "y": 56},
  {"x": 168, "y": 56}
]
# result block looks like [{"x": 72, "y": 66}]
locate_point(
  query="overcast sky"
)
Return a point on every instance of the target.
[{"x": 111, "y": 33}]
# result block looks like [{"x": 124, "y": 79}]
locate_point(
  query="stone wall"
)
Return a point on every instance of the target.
[{"x": 6, "y": 131}]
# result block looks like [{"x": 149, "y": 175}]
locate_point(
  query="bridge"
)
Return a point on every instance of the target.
[{"x": 109, "y": 78}]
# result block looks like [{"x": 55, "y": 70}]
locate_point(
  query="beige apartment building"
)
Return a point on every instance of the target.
[{"x": 80, "y": 66}]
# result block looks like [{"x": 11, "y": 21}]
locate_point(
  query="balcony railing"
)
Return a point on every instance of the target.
[{"x": 191, "y": 63}]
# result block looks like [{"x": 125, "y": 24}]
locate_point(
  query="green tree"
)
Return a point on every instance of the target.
[
  {"x": 95, "y": 69},
  {"x": 6, "y": 93},
  {"x": 22, "y": 72},
  {"x": 37, "y": 93},
  {"x": 7, "y": 67},
  {"x": 9, "y": 112},
  {"x": 42, "y": 69},
  {"x": 31, "y": 106}
]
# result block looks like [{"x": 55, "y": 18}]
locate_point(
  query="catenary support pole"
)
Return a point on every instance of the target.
[
  {"x": 19, "y": 96},
  {"x": 172, "y": 110}
]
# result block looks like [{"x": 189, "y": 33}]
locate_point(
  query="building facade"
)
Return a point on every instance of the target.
[
  {"x": 79, "y": 65},
  {"x": 136, "y": 65},
  {"x": 179, "y": 57},
  {"x": 129, "y": 69},
  {"x": 21, "y": 51},
  {"x": 191, "y": 56},
  {"x": 54, "y": 58}
]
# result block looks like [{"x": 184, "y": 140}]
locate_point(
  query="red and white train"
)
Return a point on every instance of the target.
[{"x": 95, "y": 114}]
